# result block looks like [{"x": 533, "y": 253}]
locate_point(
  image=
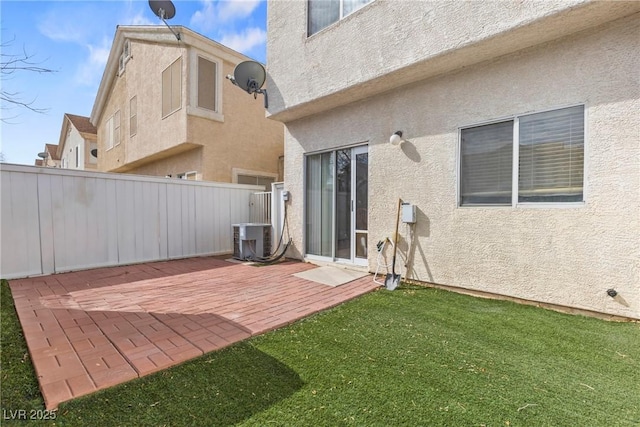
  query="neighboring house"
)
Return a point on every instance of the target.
[
  {"x": 52, "y": 159},
  {"x": 165, "y": 108},
  {"x": 78, "y": 144},
  {"x": 521, "y": 143}
]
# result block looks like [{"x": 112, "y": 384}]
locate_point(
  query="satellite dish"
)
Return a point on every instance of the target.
[
  {"x": 43, "y": 155},
  {"x": 250, "y": 76},
  {"x": 164, "y": 9},
  {"x": 94, "y": 152}
]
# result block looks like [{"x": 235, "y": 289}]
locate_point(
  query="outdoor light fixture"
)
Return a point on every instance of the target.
[
  {"x": 396, "y": 138},
  {"x": 612, "y": 293}
]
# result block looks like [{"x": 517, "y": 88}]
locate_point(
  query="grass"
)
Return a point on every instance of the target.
[{"x": 415, "y": 356}]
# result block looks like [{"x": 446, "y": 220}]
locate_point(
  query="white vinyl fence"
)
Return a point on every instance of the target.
[
  {"x": 260, "y": 207},
  {"x": 55, "y": 220}
]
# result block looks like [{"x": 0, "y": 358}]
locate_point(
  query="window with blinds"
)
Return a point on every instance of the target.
[
  {"x": 551, "y": 156},
  {"x": 133, "y": 116},
  {"x": 549, "y": 161},
  {"x": 322, "y": 13},
  {"x": 206, "y": 84},
  {"x": 171, "y": 88},
  {"x": 486, "y": 164}
]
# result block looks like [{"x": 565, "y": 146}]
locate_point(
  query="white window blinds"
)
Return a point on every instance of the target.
[
  {"x": 487, "y": 164},
  {"x": 549, "y": 160},
  {"x": 551, "y": 165}
]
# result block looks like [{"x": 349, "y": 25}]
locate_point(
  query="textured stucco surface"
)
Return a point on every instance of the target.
[
  {"x": 561, "y": 255},
  {"x": 240, "y": 136},
  {"x": 390, "y": 43}
]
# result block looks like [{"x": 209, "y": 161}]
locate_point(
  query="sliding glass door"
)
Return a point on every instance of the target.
[{"x": 336, "y": 205}]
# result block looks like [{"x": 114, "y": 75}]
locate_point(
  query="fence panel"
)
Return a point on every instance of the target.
[
  {"x": 55, "y": 220},
  {"x": 261, "y": 207}
]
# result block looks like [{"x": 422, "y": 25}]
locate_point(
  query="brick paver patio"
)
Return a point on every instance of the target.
[{"x": 93, "y": 329}]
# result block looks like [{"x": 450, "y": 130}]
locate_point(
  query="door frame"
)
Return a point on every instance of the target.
[{"x": 356, "y": 149}]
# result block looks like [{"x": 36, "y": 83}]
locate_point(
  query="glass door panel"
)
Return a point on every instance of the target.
[
  {"x": 336, "y": 211},
  {"x": 343, "y": 204},
  {"x": 319, "y": 212},
  {"x": 361, "y": 200}
]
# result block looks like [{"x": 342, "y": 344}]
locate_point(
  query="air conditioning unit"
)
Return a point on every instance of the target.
[{"x": 251, "y": 240}]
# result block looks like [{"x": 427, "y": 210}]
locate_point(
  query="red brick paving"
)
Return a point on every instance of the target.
[{"x": 93, "y": 329}]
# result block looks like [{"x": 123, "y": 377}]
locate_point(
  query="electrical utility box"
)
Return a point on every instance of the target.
[{"x": 408, "y": 213}]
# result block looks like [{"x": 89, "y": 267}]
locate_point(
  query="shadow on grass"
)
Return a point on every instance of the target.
[{"x": 220, "y": 388}]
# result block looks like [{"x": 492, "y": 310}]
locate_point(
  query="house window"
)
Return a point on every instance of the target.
[
  {"x": 171, "y": 88},
  {"x": 206, "y": 84},
  {"x": 113, "y": 130},
  {"x": 116, "y": 127},
  {"x": 544, "y": 151},
  {"x": 191, "y": 176},
  {"x": 93, "y": 153},
  {"x": 133, "y": 116},
  {"x": 265, "y": 181},
  {"x": 109, "y": 133},
  {"x": 322, "y": 13}
]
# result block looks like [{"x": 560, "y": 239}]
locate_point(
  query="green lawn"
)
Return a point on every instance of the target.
[{"x": 415, "y": 356}]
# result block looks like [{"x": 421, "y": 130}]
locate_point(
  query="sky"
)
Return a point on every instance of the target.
[{"x": 73, "y": 38}]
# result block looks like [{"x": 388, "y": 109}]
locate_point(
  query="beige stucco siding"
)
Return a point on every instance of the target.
[
  {"x": 245, "y": 140},
  {"x": 236, "y": 136},
  {"x": 389, "y": 43},
  {"x": 143, "y": 78},
  {"x": 562, "y": 255}
]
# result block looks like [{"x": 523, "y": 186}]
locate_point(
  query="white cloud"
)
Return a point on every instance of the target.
[
  {"x": 205, "y": 18},
  {"x": 245, "y": 41},
  {"x": 219, "y": 13},
  {"x": 140, "y": 19},
  {"x": 236, "y": 9},
  {"x": 64, "y": 30},
  {"x": 90, "y": 72}
]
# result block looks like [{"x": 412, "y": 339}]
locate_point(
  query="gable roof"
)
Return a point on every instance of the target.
[
  {"x": 154, "y": 34},
  {"x": 82, "y": 124},
  {"x": 52, "y": 149}
]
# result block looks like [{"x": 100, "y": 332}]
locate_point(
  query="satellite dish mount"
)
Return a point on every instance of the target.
[
  {"x": 164, "y": 9},
  {"x": 250, "y": 76}
]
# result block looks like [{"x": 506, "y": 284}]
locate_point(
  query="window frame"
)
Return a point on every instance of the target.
[
  {"x": 171, "y": 79},
  {"x": 192, "y": 106},
  {"x": 117, "y": 128},
  {"x": 185, "y": 176},
  {"x": 515, "y": 203},
  {"x": 133, "y": 115},
  {"x": 341, "y": 16}
]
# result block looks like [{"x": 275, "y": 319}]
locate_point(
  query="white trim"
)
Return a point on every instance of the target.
[
  {"x": 515, "y": 162},
  {"x": 192, "y": 104},
  {"x": 186, "y": 175},
  {"x": 238, "y": 171},
  {"x": 179, "y": 58},
  {"x": 333, "y": 259}
]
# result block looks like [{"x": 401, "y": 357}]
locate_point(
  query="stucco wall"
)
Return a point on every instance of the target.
[
  {"x": 562, "y": 255},
  {"x": 240, "y": 136},
  {"x": 246, "y": 139},
  {"x": 143, "y": 78},
  {"x": 390, "y": 43},
  {"x": 173, "y": 165}
]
